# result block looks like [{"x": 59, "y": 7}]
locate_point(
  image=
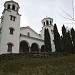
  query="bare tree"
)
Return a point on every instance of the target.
[{"x": 69, "y": 17}]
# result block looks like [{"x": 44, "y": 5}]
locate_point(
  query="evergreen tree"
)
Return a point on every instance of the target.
[
  {"x": 73, "y": 37},
  {"x": 57, "y": 39},
  {"x": 47, "y": 40},
  {"x": 69, "y": 44},
  {"x": 63, "y": 31},
  {"x": 64, "y": 43}
]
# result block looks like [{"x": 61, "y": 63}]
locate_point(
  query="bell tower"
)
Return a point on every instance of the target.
[
  {"x": 10, "y": 27},
  {"x": 48, "y": 24}
]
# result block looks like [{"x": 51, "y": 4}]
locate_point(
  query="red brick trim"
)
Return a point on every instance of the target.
[
  {"x": 11, "y": 28},
  {"x": 10, "y": 43}
]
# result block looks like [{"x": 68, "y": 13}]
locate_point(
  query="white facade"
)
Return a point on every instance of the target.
[
  {"x": 48, "y": 23},
  {"x": 14, "y": 39}
]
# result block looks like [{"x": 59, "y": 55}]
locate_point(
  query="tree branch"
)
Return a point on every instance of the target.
[
  {"x": 71, "y": 18},
  {"x": 64, "y": 17}
]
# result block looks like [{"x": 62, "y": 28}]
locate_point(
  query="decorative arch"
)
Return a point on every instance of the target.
[
  {"x": 34, "y": 47},
  {"x": 24, "y": 46},
  {"x": 10, "y": 43},
  {"x": 43, "y": 48}
]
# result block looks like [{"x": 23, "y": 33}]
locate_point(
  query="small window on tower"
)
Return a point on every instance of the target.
[
  {"x": 8, "y": 6},
  {"x": 47, "y": 22},
  {"x": 44, "y": 23},
  {"x": 11, "y": 30},
  {"x": 12, "y": 17},
  {"x": 9, "y": 46},
  {"x": 13, "y": 7},
  {"x": 50, "y": 23}
]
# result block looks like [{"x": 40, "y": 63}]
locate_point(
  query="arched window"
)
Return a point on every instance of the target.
[
  {"x": 13, "y": 7},
  {"x": 47, "y": 22},
  {"x": 28, "y": 34},
  {"x": 24, "y": 46},
  {"x": 12, "y": 18},
  {"x": 50, "y": 23},
  {"x": 44, "y": 23},
  {"x": 10, "y": 46},
  {"x": 43, "y": 48},
  {"x": 52, "y": 31},
  {"x": 8, "y": 6},
  {"x": 11, "y": 30},
  {"x": 34, "y": 47}
]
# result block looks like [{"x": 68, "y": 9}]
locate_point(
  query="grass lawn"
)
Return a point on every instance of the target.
[{"x": 39, "y": 66}]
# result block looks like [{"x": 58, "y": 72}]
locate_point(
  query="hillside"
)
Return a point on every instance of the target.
[{"x": 39, "y": 66}]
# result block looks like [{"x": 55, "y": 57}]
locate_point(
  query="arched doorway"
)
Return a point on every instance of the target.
[
  {"x": 34, "y": 47},
  {"x": 43, "y": 48},
  {"x": 24, "y": 46}
]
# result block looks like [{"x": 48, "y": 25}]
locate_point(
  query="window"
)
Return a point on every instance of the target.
[
  {"x": 44, "y": 23},
  {"x": 9, "y": 46},
  {"x": 12, "y": 18},
  {"x": 11, "y": 30},
  {"x": 13, "y": 7},
  {"x": 52, "y": 31},
  {"x": 50, "y": 23},
  {"x": 47, "y": 22},
  {"x": 8, "y": 6},
  {"x": 28, "y": 34}
]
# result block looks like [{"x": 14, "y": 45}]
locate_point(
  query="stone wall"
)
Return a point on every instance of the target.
[{"x": 32, "y": 55}]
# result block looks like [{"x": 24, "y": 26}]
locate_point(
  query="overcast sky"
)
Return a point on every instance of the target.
[{"x": 33, "y": 11}]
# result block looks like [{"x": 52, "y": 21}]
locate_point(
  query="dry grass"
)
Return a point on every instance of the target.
[{"x": 39, "y": 66}]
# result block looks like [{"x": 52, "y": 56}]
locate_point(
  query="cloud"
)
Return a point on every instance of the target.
[{"x": 33, "y": 11}]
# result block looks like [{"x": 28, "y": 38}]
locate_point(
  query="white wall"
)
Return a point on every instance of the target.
[
  {"x": 6, "y": 37},
  {"x": 32, "y": 40},
  {"x": 27, "y": 29}
]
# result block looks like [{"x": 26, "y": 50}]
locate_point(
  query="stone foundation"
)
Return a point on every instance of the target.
[{"x": 31, "y": 55}]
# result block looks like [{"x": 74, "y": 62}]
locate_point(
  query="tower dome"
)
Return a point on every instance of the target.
[
  {"x": 11, "y": 5},
  {"x": 47, "y": 21},
  {"x": 48, "y": 24}
]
